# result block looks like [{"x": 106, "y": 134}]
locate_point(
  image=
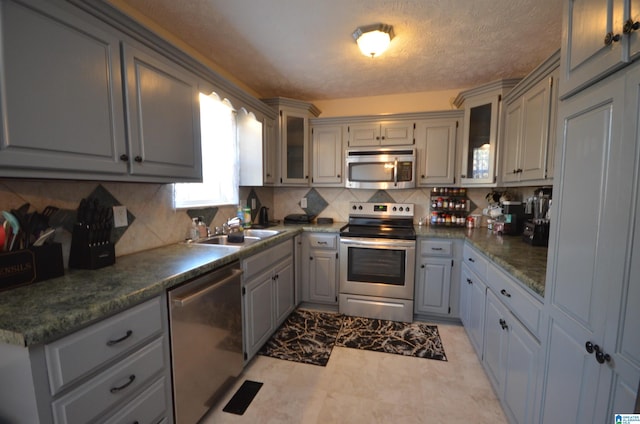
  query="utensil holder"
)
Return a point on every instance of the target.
[
  {"x": 88, "y": 251},
  {"x": 37, "y": 263}
]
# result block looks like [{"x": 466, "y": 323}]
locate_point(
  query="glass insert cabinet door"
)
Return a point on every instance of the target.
[
  {"x": 481, "y": 127},
  {"x": 295, "y": 140}
]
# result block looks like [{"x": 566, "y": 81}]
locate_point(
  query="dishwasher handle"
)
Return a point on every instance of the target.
[{"x": 185, "y": 300}]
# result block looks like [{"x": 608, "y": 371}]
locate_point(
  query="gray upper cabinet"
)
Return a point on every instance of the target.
[
  {"x": 599, "y": 38},
  {"x": 63, "y": 107},
  {"x": 61, "y": 93},
  {"x": 380, "y": 133},
  {"x": 436, "y": 141},
  {"x": 293, "y": 139},
  {"x": 326, "y": 156},
  {"x": 270, "y": 152},
  {"x": 482, "y": 108},
  {"x": 164, "y": 117},
  {"x": 527, "y": 136}
]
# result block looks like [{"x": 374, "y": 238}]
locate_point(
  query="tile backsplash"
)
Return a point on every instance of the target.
[{"x": 157, "y": 223}]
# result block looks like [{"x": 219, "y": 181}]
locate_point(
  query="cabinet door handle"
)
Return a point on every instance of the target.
[
  {"x": 503, "y": 324},
  {"x": 124, "y": 386},
  {"x": 338, "y": 176},
  {"x": 121, "y": 339},
  {"x": 138, "y": 159},
  {"x": 469, "y": 281},
  {"x": 588, "y": 347},
  {"x": 422, "y": 266},
  {"x": 471, "y": 260},
  {"x": 611, "y": 38},
  {"x": 124, "y": 157},
  {"x": 505, "y": 293},
  {"x": 310, "y": 258},
  {"x": 630, "y": 26},
  {"x": 601, "y": 357}
]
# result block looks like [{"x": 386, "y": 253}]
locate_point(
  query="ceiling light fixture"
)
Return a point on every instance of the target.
[{"x": 373, "y": 39}]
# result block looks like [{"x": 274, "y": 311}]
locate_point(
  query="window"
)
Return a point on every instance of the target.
[{"x": 220, "y": 168}]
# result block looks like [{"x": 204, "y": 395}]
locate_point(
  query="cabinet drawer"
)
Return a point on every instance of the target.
[
  {"x": 147, "y": 408},
  {"x": 255, "y": 264},
  {"x": 475, "y": 261},
  {"x": 436, "y": 248},
  {"x": 97, "y": 396},
  {"x": 322, "y": 241},
  {"x": 521, "y": 304},
  {"x": 83, "y": 351}
]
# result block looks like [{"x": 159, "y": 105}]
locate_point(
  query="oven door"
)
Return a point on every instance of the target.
[{"x": 377, "y": 267}]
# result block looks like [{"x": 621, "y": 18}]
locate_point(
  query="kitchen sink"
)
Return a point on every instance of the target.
[
  {"x": 222, "y": 240},
  {"x": 250, "y": 236},
  {"x": 261, "y": 234}
]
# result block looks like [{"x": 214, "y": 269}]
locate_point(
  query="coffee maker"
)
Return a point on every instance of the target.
[
  {"x": 536, "y": 230},
  {"x": 514, "y": 217}
]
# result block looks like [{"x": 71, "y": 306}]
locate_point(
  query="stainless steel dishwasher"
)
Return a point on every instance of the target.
[{"x": 206, "y": 340}]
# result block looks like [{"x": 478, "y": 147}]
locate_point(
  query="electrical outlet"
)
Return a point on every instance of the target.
[
  {"x": 120, "y": 216},
  {"x": 303, "y": 202}
]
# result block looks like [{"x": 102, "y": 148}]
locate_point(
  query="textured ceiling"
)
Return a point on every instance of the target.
[{"x": 303, "y": 49}]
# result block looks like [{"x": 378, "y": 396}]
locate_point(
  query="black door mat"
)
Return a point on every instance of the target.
[{"x": 241, "y": 400}]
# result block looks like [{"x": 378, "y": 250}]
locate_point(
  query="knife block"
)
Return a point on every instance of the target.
[{"x": 87, "y": 255}]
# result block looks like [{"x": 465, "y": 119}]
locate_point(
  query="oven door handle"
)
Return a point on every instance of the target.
[{"x": 376, "y": 242}]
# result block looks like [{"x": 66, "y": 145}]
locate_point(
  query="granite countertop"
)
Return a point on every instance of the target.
[
  {"x": 44, "y": 311},
  {"x": 524, "y": 262}
]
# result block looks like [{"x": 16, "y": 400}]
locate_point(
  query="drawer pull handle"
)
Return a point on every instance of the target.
[
  {"x": 505, "y": 293},
  {"x": 322, "y": 242},
  {"x": 124, "y": 386},
  {"x": 437, "y": 248},
  {"x": 471, "y": 260},
  {"x": 121, "y": 339}
]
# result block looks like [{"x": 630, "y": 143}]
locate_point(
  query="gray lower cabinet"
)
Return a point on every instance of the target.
[
  {"x": 320, "y": 268},
  {"x": 502, "y": 320},
  {"x": 473, "y": 292},
  {"x": 268, "y": 294},
  {"x": 65, "y": 83},
  {"x": 117, "y": 369},
  {"x": 435, "y": 269}
]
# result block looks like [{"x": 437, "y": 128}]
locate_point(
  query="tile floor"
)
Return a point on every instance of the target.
[{"x": 360, "y": 386}]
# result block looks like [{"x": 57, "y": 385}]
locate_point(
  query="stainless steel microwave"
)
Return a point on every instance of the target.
[{"x": 380, "y": 168}]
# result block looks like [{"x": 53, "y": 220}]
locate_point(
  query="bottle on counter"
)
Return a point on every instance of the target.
[{"x": 193, "y": 229}]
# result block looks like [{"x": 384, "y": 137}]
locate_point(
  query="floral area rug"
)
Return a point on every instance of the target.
[
  {"x": 305, "y": 336},
  {"x": 408, "y": 339},
  {"x": 309, "y": 337}
]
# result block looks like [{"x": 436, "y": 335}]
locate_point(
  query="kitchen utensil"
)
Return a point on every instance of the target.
[
  {"x": 2, "y": 236},
  {"x": 43, "y": 237},
  {"x": 15, "y": 227},
  {"x": 264, "y": 216}
]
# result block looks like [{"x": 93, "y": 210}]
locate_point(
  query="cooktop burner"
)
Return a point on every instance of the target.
[{"x": 380, "y": 220}]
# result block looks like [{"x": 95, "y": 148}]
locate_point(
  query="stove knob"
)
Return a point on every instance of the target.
[
  {"x": 360, "y": 207},
  {"x": 401, "y": 208},
  {"x": 354, "y": 207},
  {"x": 407, "y": 209},
  {"x": 395, "y": 209}
]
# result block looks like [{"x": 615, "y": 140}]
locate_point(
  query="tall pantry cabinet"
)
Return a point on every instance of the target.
[{"x": 592, "y": 366}]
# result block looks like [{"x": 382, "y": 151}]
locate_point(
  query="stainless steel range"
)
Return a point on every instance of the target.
[{"x": 377, "y": 261}]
